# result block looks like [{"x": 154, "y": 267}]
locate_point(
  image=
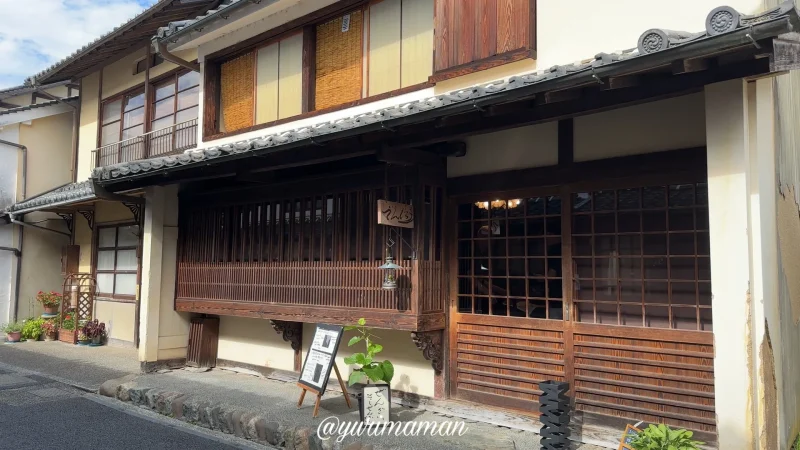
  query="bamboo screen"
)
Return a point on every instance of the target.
[
  {"x": 237, "y": 85},
  {"x": 339, "y": 61}
]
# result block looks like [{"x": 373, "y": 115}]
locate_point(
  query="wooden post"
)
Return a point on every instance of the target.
[{"x": 342, "y": 385}]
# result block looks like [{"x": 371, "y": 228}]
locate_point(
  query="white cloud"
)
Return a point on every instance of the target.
[{"x": 37, "y": 33}]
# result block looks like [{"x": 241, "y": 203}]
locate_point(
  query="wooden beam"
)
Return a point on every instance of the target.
[
  {"x": 408, "y": 157},
  {"x": 558, "y": 96},
  {"x": 689, "y": 65},
  {"x": 211, "y": 98},
  {"x": 622, "y": 82},
  {"x": 8, "y": 105},
  {"x": 309, "y": 68},
  {"x": 566, "y": 142}
]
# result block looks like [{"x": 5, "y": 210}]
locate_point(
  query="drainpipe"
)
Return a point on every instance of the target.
[
  {"x": 25, "y": 224},
  {"x": 20, "y": 231},
  {"x": 161, "y": 48}
]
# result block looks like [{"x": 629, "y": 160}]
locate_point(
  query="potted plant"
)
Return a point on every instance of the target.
[
  {"x": 66, "y": 333},
  {"x": 13, "y": 331},
  {"x": 94, "y": 332},
  {"x": 374, "y": 401},
  {"x": 662, "y": 437},
  {"x": 50, "y": 330},
  {"x": 32, "y": 329},
  {"x": 50, "y": 301}
]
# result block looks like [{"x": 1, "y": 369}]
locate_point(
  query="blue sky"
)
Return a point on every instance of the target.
[{"x": 34, "y": 36}]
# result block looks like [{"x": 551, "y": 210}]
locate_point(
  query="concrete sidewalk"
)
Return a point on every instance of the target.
[
  {"x": 249, "y": 405},
  {"x": 81, "y": 366}
]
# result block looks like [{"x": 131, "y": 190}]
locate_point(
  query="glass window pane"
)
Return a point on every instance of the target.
[
  {"x": 126, "y": 284},
  {"x": 165, "y": 91},
  {"x": 105, "y": 283},
  {"x": 134, "y": 101},
  {"x": 126, "y": 260},
  {"x": 107, "y": 237},
  {"x": 128, "y": 236},
  {"x": 164, "y": 108},
  {"x": 133, "y": 117},
  {"x": 110, "y": 134},
  {"x": 187, "y": 114},
  {"x": 162, "y": 123},
  {"x": 189, "y": 97},
  {"x": 105, "y": 260},
  {"x": 138, "y": 130},
  {"x": 188, "y": 79},
  {"x": 112, "y": 111}
]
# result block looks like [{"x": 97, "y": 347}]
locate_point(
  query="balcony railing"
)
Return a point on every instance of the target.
[{"x": 170, "y": 140}]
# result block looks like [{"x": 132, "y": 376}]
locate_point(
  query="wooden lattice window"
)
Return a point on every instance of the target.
[
  {"x": 330, "y": 227},
  {"x": 117, "y": 261},
  {"x": 509, "y": 258},
  {"x": 641, "y": 257},
  {"x": 339, "y": 58}
]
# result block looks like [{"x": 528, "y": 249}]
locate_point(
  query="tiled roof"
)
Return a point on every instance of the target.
[
  {"x": 37, "y": 105},
  {"x": 174, "y": 29},
  {"x": 653, "y": 49},
  {"x": 125, "y": 33},
  {"x": 62, "y": 195},
  {"x": 24, "y": 89}
]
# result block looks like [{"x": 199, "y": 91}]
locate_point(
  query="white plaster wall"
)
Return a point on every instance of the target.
[
  {"x": 253, "y": 341},
  {"x": 9, "y": 162},
  {"x": 651, "y": 127},
  {"x": 173, "y": 327},
  {"x": 412, "y": 373},
  {"x": 119, "y": 319}
]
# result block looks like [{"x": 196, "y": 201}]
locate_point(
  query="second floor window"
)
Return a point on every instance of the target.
[
  {"x": 174, "y": 103},
  {"x": 123, "y": 118}
]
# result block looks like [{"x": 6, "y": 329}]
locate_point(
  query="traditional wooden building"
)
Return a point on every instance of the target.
[{"x": 623, "y": 223}]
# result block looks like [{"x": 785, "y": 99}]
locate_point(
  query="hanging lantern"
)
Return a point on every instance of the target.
[
  {"x": 73, "y": 297},
  {"x": 390, "y": 273}
]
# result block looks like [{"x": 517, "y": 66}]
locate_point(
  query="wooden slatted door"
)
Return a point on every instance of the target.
[
  {"x": 635, "y": 270},
  {"x": 508, "y": 329}
]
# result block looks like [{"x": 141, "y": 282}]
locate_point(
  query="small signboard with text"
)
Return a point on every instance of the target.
[
  {"x": 319, "y": 359},
  {"x": 395, "y": 214}
]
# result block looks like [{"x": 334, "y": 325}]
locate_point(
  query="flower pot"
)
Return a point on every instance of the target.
[
  {"x": 32, "y": 339},
  {"x": 375, "y": 403},
  {"x": 14, "y": 336},
  {"x": 67, "y": 336},
  {"x": 97, "y": 340},
  {"x": 51, "y": 310},
  {"x": 51, "y": 336}
]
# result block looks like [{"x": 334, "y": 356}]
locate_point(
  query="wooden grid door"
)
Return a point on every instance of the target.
[
  {"x": 507, "y": 329},
  {"x": 634, "y": 268}
]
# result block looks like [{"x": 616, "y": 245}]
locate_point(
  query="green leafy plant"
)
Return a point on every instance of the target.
[
  {"x": 49, "y": 327},
  {"x": 12, "y": 327},
  {"x": 68, "y": 322},
  {"x": 369, "y": 368},
  {"x": 32, "y": 329},
  {"x": 662, "y": 437}
]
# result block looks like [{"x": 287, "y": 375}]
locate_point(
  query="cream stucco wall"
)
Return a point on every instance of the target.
[
  {"x": 118, "y": 76},
  {"x": 253, "y": 341},
  {"x": 105, "y": 212},
  {"x": 651, "y": 127},
  {"x": 119, "y": 319},
  {"x": 173, "y": 327},
  {"x": 83, "y": 238},
  {"x": 412, "y": 373},
  {"x": 87, "y": 131},
  {"x": 49, "y": 142}
]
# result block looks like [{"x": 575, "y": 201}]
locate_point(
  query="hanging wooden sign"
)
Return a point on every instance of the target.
[
  {"x": 395, "y": 214},
  {"x": 318, "y": 364}
]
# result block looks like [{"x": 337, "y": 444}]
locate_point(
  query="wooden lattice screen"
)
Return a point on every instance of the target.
[
  {"x": 322, "y": 249},
  {"x": 237, "y": 80},
  {"x": 339, "y": 54}
]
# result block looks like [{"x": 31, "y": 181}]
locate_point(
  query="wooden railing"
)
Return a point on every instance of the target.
[
  {"x": 172, "y": 139},
  {"x": 309, "y": 291}
]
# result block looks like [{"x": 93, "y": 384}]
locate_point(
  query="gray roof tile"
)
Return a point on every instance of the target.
[
  {"x": 62, "y": 195},
  {"x": 37, "y": 105}
]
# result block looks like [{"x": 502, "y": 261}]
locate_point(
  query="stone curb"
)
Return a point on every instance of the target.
[{"x": 220, "y": 417}]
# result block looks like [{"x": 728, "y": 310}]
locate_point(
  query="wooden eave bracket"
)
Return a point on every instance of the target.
[
  {"x": 89, "y": 216},
  {"x": 290, "y": 331},
  {"x": 431, "y": 343}
]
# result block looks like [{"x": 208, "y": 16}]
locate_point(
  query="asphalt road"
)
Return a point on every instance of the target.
[{"x": 39, "y": 413}]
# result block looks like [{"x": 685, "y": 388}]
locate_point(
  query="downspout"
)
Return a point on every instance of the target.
[
  {"x": 25, "y": 224},
  {"x": 20, "y": 231},
  {"x": 161, "y": 48}
]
